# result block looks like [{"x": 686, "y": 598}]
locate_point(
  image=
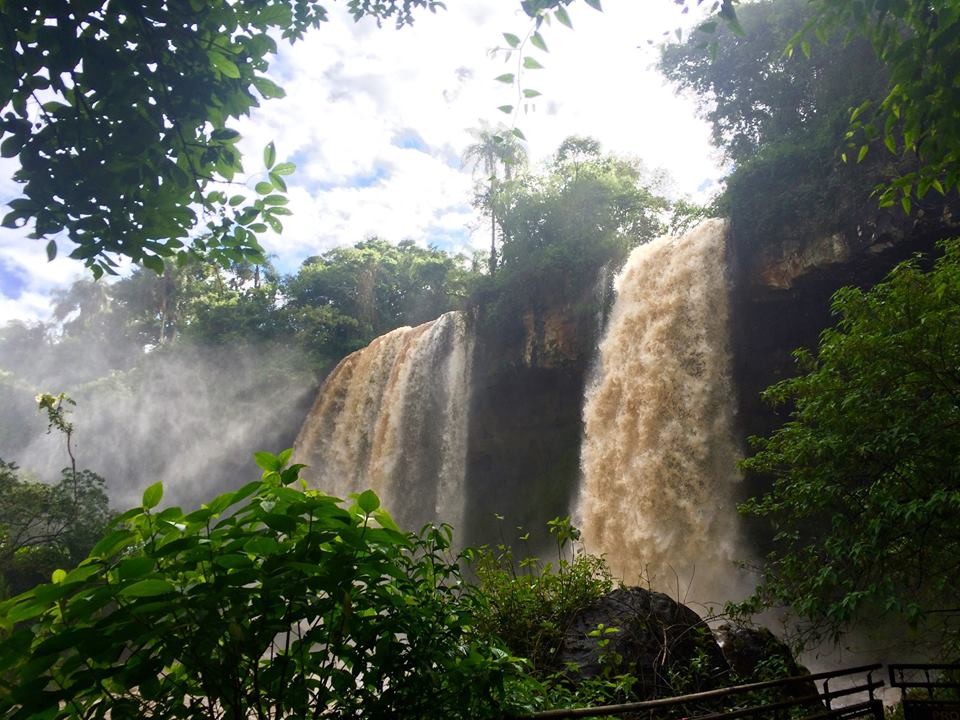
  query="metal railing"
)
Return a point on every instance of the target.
[
  {"x": 818, "y": 705},
  {"x": 921, "y": 690}
]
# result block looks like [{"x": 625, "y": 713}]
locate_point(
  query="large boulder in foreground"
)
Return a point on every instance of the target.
[
  {"x": 755, "y": 655},
  {"x": 646, "y": 634}
]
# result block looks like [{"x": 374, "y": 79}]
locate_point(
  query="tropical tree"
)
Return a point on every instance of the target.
[
  {"x": 494, "y": 151},
  {"x": 916, "y": 42},
  {"x": 586, "y": 210}
]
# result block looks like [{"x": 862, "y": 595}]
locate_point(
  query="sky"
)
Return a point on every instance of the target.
[{"x": 377, "y": 119}]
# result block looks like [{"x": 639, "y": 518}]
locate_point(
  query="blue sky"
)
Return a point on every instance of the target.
[{"x": 377, "y": 120}]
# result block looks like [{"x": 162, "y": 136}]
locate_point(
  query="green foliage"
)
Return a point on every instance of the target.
[
  {"x": 266, "y": 602},
  {"x": 919, "y": 44},
  {"x": 529, "y": 604},
  {"x": 560, "y": 227},
  {"x": 119, "y": 116},
  {"x": 866, "y": 481},
  {"x": 45, "y": 526},
  {"x": 341, "y": 300},
  {"x": 781, "y": 120},
  {"x": 914, "y": 115}
]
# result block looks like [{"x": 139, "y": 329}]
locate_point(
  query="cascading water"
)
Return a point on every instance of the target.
[
  {"x": 658, "y": 456},
  {"x": 393, "y": 417}
]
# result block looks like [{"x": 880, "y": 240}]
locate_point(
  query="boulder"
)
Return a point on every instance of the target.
[
  {"x": 646, "y": 634},
  {"x": 755, "y": 655}
]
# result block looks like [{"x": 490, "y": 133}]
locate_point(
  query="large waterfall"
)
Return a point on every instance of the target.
[
  {"x": 393, "y": 417},
  {"x": 658, "y": 456}
]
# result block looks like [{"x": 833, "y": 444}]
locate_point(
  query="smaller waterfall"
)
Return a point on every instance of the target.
[
  {"x": 393, "y": 417},
  {"x": 659, "y": 455}
]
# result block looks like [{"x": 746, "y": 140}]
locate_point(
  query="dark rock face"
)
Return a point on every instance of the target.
[
  {"x": 523, "y": 459},
  {"x": 662, "y": 643},
  {"x": 755, "y": 655},
  {"x": 781, "y": 301}
]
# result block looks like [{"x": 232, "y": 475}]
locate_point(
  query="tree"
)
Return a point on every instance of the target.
[
  {"x": 781, "y": 121},
  {"x": 119, "y": 115},
  {"x": 266, "y": 602},
  {"x": 339, "y": 301},
  {"x": 866, "y": 482},
  {"x": 45, "y": 526},
  {"x": 492, "y": 152},
  {"x": 916, "y": 41},
  {"x": 586, "y": 210}
]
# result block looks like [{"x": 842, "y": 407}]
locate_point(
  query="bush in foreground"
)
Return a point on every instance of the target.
[{"x": 268, "y": 602}]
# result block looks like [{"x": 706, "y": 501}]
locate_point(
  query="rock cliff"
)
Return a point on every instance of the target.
[{"x": 530, "y": 370}]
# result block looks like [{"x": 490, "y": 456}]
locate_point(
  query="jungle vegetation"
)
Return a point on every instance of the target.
[{"x": 218, "y": 611}]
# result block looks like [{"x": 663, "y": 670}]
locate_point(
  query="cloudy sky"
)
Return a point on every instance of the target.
[{"x": 376, "y": 121}]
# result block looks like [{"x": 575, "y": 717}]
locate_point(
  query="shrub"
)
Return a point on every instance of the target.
[{"x": 266, "y": 602}]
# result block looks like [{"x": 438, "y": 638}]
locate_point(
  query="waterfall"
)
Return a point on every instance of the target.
[
  {"x": 658, "y": 455},
  {"x": 393, "y": 417}
]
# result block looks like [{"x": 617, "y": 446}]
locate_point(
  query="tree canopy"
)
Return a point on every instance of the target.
[
  {"x": 781, "y": 120},
  {"x": 119, "y": 114}
]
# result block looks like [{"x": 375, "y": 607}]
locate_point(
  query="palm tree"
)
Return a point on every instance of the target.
[{"x": 494, "y": 149}]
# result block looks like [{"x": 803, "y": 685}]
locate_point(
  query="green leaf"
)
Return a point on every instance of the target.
[
  {"x": 58, "y": 576},
  {"x": 147, "y": 588},
  {"x": 237, "y": 200},
  {"x": 563, "y": 17},
  {"x": 595, "y": 4},
  {"x": 225, "y": 65},
  {"x": 269, "y": 155},
  {"x": 278, "y": 182},
  {"x": 280, "y": 523},
  {"x": 268, "y": 461},
  {"x": 226, "y": 135},
  {"x": 268, "y": 89},
  {"x": 864, "y": 149},
  {"x": 517, "y": 132},
  {"x": 368, "y": 501},
  {"x": 506, "y": 109},
  {"x": 538, "y": 42},
  {"x": 531, "y": 63},
  {"x": 152, "y": 495},
  {"x": 505, "y": 78},
  {"x": 530, "y": 93},
  {"x": 512, "y": 40},
  {"x": 154, "y": 263},
  {"x": 112, "y": 543},
  {"x": 274, "y": 224},
  {"x": 286, "y": 168},
  {"x": 262, "y": 545},
  {"x": 11, "y": 147},
  {"x": 263, "y": 188},
  {"x": 133, "y": 568},
  {"x": 51, "y": 250}
]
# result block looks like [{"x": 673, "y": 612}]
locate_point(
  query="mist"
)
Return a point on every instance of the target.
[{"x": 190, "y": 417}]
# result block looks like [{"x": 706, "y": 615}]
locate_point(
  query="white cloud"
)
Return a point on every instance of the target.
[{"x": 356, "y": 93}]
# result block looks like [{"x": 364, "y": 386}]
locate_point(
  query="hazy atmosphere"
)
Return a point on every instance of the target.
[{"x": 528, "y": 359}]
